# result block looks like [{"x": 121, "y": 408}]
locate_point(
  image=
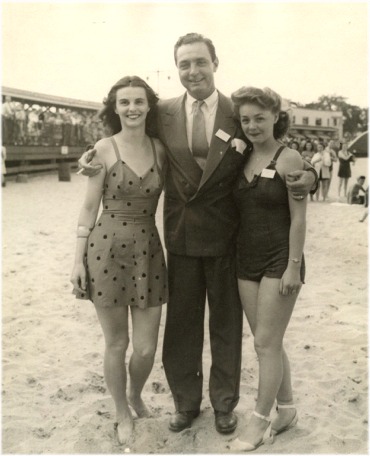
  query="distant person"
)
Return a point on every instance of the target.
[
  {"x": 8, "y": 122},
  {"x": 308, "y": 151},
  {"x": 333, "y": 158},
  {"x": 322, "y": 162},
  {"x": 33, "y": 126},
  {"x": 58, "y": 129},
  {"x": 294, "y": 145},
  {"x": 20, "y": 124},
  {"x": 119, "y": 261},
  {"x": 366, "y": 212},
  {"x": 67, "y": 127},
  {"x": 354, "y": 196},
  {"x": 270, "y": 261},
  {"x": 3, "y": 166},
  {"x": 344, "y": 172}
]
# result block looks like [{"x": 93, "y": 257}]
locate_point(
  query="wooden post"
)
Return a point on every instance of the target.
[{"x": 64, "y": 171}]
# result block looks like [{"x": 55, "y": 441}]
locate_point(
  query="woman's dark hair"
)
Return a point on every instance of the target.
[
  {"x": 111, "y": 119},
  {"x": 305, "y": 145},
  {"x": 191, "y": 38},
  {"x": 294, "y": 142},
  {"x": 266, "y": 99}
]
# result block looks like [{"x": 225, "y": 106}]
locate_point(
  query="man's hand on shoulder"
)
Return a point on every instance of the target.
[
  {"x": 300, "y": 183},
  {"x": 87, "y": 165}
]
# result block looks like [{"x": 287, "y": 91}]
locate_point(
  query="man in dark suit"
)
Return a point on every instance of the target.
[
  {"x": 200, "y": 222},
  {"x": 205, "y": 156}
]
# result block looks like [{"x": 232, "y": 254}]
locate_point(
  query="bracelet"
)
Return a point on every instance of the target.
[
  {"x": 83, "y": 231},
  {"x": 295, "y": 260}
]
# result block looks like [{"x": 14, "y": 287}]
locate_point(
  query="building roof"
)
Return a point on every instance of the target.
[{"x": 42, "y": 98}]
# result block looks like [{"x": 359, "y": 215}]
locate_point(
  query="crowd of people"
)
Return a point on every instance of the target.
[
  {"x": 322, "y": 155},
  {"x": 33, "y": 125}
]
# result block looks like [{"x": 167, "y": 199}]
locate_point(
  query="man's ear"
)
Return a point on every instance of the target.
[{"x": 215, "y": 63}]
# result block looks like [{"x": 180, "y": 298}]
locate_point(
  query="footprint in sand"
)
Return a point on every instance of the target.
[{"x": 159, "y": 388}]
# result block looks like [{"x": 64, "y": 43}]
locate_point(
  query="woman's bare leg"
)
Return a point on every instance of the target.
[
  {"x": 145, "y": 326},
  {"x": 114, "y": 322},
  {"x": 268, "y": 314}
]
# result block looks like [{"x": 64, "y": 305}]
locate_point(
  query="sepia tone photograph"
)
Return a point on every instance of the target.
[{"x": 184, "y": 227}]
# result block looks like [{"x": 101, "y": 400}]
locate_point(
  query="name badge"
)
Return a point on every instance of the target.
[
  {"x": 222, "y": 135},
  {"x": 269, "y": 173}
]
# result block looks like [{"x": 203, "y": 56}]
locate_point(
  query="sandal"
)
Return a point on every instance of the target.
[
  {"x": 241, "y": 445},
  {"x": 289, "y": 425}
]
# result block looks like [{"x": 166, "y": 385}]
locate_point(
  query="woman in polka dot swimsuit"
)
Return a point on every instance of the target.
[{"x": 119, "y": 261}]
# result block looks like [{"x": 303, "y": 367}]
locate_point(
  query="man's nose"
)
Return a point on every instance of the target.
[{"x": 193, "y": 69}]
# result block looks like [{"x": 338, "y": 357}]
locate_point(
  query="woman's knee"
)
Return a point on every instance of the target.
[
  {"x": 145, "y": 349},
  {"x": 264, "y": 345},
  {"x": 118, "y": 344}
]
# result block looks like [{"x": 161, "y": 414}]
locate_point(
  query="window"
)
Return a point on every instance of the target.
[
  {"x": 305, "y": 121},
  {"x": 318, "y": 121},
  {"x": 335, "y": 121}
]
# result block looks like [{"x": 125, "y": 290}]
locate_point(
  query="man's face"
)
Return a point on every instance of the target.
[{"x": 196, "y": 69}]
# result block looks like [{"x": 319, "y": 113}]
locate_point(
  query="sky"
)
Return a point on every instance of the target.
[{"x": 80, "y": 49}]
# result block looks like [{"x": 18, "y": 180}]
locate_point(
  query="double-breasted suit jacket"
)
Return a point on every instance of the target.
[
  {"x": 200, "y": 216},
  {"x": 200, "y": 224}
]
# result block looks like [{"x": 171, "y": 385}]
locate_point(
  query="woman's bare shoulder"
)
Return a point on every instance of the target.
[
  {"x": 103, "y": 146},
  {"x": 291, "y": 160}
]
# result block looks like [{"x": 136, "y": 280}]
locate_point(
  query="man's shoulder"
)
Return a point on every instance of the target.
[
  {"x": 225, "y": 104},
  {"x": 170, "y": 103},
  {"x": 224, "y": 98}
]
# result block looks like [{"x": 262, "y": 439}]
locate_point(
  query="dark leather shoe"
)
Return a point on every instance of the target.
[
  {"x": 225, "y": 422},
  {"x": 182, "y": 420}
]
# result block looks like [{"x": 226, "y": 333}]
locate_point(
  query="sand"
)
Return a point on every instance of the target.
[{"x": 54, "y": 396}]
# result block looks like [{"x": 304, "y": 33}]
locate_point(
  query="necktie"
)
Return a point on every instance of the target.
[{"x": 199, "y": 139}]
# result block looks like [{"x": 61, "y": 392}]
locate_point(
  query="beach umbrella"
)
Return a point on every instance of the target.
[{"x": 360, "y": 145}]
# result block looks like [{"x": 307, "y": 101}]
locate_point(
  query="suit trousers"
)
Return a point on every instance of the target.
[{"x": 191, "y": 279}]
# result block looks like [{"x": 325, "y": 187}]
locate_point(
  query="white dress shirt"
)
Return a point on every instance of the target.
[{"x": 209, "y": 109}]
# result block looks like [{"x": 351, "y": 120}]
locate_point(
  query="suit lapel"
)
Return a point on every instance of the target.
[
  {"x": 174, "y": 126},
  {"x": 218, "y": 147}
]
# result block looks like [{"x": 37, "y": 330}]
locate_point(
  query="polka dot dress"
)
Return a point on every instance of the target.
[{"x": 125, "y": 259}]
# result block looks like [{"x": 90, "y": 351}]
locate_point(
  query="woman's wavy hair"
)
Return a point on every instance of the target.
[
  {"x": 110, "y": 118},
  {"x": 266, "y": 99},
  {"x": 309, "y": 142}
]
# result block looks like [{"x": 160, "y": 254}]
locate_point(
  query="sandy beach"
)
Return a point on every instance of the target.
[{"x": 54, "y": 398}]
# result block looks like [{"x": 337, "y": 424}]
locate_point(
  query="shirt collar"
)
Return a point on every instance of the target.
[{"x": 210, "y": 102}]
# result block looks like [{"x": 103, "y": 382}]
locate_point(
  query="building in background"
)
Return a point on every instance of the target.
[{"x": 315, "y": 124}]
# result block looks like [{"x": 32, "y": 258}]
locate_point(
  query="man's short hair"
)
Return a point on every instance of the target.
[{"x": 191, "y": 38}]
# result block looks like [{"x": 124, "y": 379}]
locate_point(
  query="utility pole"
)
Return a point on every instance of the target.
[{"x": 158, "y": 73}]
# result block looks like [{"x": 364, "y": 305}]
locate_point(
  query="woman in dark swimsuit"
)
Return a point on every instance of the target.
[{"x": 270, "y": 258}]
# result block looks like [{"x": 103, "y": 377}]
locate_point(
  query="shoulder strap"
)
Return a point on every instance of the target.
[
  {"x": 115, "y": 147},
  {"x": 276, "y": 156}
]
